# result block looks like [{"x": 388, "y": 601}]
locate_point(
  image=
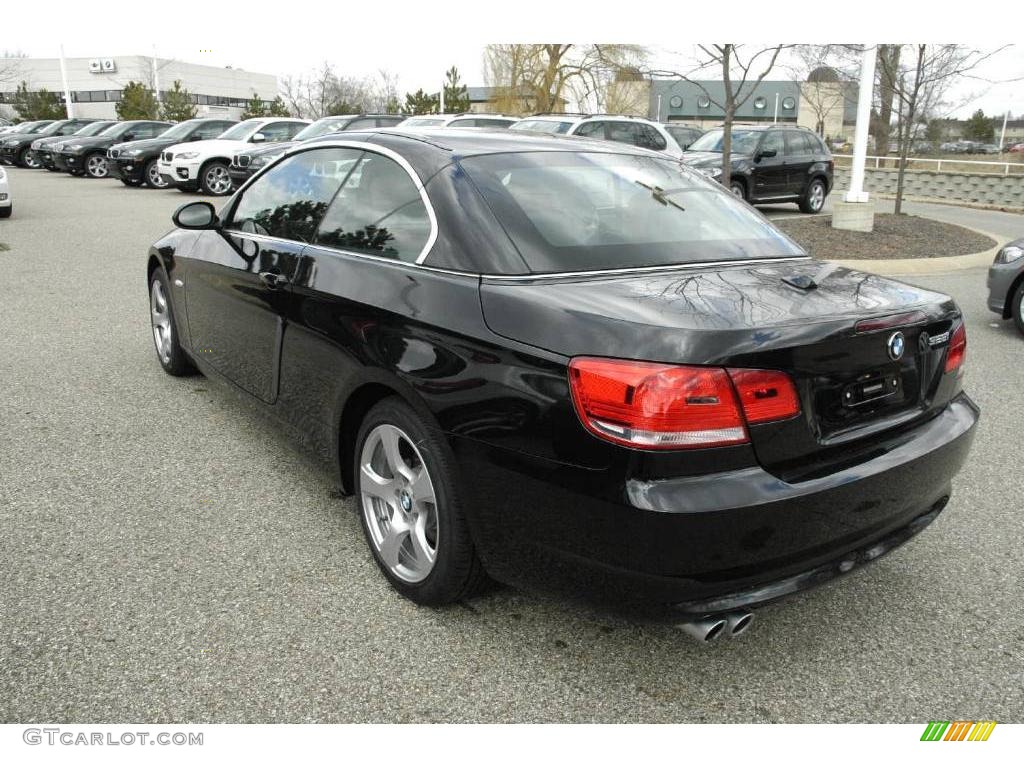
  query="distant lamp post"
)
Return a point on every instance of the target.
[
  {"x": 776, "y": 118},
  {"x": 856, "y": 211}
]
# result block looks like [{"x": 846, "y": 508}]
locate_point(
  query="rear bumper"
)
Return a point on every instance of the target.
[{"x": 707, "y": 543}]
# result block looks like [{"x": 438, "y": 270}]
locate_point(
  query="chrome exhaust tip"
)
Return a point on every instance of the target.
[
  {"x": 738, "y": 622},
  {"x": 705, "y": 630}
]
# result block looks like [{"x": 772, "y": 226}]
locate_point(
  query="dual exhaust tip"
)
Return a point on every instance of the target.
[{"x": 711, "y": 628}]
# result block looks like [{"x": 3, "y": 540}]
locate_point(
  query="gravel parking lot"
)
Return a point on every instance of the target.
[{"x": 166, "y": 555}]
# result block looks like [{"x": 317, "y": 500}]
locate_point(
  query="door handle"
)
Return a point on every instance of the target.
[{"x": 273, "y": 279}]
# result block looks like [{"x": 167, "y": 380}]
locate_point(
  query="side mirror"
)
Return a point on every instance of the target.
[
  {"x": 258, "y": 137},
  {"x": 765, "y": 153},
  {"x": 198, "y": 215}
]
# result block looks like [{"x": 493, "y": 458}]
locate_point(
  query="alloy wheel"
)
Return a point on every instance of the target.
[
  {"x": 218, "y": 181},
  {"x": 96, "y": 166},
  {"x": 399, "y": 503},
  {"x": 816, "y": 196},
  {"x": 736, "y": 189},
  {"x": 163, "y": 332},
  {"x": 154, "y": 177},
  {"x": 31, "y": 161}
]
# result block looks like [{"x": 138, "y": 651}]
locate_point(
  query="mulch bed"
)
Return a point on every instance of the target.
[{"x": 895, "y": 237}]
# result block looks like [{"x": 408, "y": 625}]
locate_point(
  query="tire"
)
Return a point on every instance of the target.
[
  {"x": 165, "y": 331},
  {"x": 813, "y": 199},
  {"x": 27, "y": 160},
  {"x": 95, "y": 165},
  {"x": 1017, "y": 308},
  {"x": 428, "y": 507},
  {"x": 214, "y": 179},
  {"x": 5, "y": 213},
  {"x": 152, "y": 176},
  {"x": 738, "y": 189}
]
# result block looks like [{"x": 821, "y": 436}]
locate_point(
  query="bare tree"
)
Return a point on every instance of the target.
[
  {"x": 919, "y": 76},
  {"x": 739, "y": 82},
  {"x": 822, "y": 82},
  {"x": 323, "y": 92}
]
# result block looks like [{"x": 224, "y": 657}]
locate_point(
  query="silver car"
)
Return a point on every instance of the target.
[{"x": 1006, "y": 283}]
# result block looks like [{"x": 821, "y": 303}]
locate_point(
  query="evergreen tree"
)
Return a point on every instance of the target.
[
  {"x": 979, "y": 127},
  {"x": 255, "y": 108},
  {"x": 456, "y": 97},
  {"x": 37, "y": 105},
  {"x": 137, "y": 103},
  {"x": 421, "y": 103},
  {"x": 178, "y": 104},
  {"x": 278, "y": 109}
]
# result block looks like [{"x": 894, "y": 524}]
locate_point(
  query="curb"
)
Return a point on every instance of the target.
[{"x": 926, "y": 266}]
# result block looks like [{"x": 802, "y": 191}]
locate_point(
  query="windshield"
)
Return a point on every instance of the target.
[
  {"x": 241, "y": 131},
  {"x": 322, "y": 127},
  {"x": 743, "y": 142},
  {"x": 181, "y": 130},
  {"x": 52, "y": 128},
  {"x": 33, "y": 127},
  {"x": 580, "y": 211},
  {"x": 422, "y": 122},
  {"x": 543, "y": 126},
  {"x": 93, "y": 128}
]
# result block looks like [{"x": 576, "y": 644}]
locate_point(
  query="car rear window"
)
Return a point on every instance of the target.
[
  {"x": 581, "y": 211},
  {"x": 543, "y": 126}
]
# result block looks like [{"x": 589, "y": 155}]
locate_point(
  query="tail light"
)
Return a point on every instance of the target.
[
  {"x": 957, "y": 348},
  {"x": 653, "y": 405}
]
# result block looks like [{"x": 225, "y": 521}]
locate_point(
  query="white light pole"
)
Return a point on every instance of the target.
[
  {"x": 156, "y": 78},
  {"x": 776, "y": 118},
  {"x": 441, "y": 102},
  {"x": 1002, "y": 136},
  {"x": 70, "y": 110},
  {"x": 860, "y": 135},
  {"x": 659, "y": 110}
]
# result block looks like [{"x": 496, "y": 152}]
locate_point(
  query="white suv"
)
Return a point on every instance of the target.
[
  {"x": 203, "y": 165},
  {"x": 6, "y": 204},
  {"x": 623, "y": 129}
]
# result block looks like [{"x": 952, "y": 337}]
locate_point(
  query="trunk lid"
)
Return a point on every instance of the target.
[{"x": 851, "y": 385}]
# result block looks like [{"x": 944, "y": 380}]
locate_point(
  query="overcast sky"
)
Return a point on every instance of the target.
[{"x": 419, "y": 42}]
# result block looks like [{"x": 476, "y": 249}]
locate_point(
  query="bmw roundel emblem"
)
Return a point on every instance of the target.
[{"x": 896, "y": 345}]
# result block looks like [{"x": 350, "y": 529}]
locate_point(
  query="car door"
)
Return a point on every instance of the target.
[
  {"x": 769, "y": 167},
  {"x": 799, "y": 159},
  {"x": 237, "y": 279}
]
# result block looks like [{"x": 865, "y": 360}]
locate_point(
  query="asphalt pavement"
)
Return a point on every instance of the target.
[{"x": 167, "y": 555}]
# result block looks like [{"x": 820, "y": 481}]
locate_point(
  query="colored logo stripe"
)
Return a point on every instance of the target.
[{"x": 958, "y": 730}]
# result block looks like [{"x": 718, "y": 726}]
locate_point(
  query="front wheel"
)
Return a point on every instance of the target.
[
  {"x": 215, "y": 179},
  {"x": 96, "y": 166},
  {"x": 165, "y": 332},
  {"x": 406, "y": 488},
  {"x": 5, "y": 213},
  {"x": 28, "y": 159},
  {"x": 814, "y": 197},
  {"x": 1017, "y": 309},
  {"x": 738, "y": 189},
  {"x": 153, "y": 177}
]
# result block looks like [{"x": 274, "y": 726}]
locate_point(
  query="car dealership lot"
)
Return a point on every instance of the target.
[{"x": 167, "y": 555}]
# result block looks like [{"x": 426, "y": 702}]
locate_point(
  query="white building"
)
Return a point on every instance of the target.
[{"x": 96, "y": 83}]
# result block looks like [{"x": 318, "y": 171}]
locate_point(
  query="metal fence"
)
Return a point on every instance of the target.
[{"x": 936, "y": 164}]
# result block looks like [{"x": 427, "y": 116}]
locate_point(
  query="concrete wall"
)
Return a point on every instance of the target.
[{"x": 989, "y": 189}]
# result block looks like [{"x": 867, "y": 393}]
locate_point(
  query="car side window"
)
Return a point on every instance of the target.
[
  {"x": 796, "y": 143},
  {"x": 279, "y": 131},
  {"x": 649, "y": 138},
  {"x": 594, "y": 130},
  {"x": 289, "y": 200},
  {"x": 211, "y": 130},
  {"x": 773, "y": 141},
  {"x": 378, "y": 211},
  {"x": 624, "y": 133},
  {"x": 385, "y": 122},
  {"x": 463, "y": 122},
  {"x": 362, "y": 123},
  {"x": 148, "y": 130}
]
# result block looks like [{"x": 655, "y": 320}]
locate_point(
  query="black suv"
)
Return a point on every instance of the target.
[
  {"x": 135, "y": 162},
  {"x": 88, "y": 156},
  {"x": 34, "y": 129},
  {"x": 247, "y": 162},
  {"x": 43, "y": 150},
  {"x": 770, "y": 164},
  {"x": 17, "y": 149}
]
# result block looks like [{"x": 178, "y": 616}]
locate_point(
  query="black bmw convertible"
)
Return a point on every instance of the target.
[{"x": 570, "y": 364}]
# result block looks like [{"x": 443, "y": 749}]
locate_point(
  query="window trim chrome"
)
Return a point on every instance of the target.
[{"x": 364, "y": 146}]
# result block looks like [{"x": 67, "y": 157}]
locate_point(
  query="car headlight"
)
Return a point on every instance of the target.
[
  {"x": 1009, "y": 254},
  {"x": 187, "y": 156},
  {"x": 133, "y": 152},
  {"x": 711, "y": 173},
  {"x": 11, "y": 143},
  {"x": 74, "y": 147},
  {"x": 259, "y": 162}
]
